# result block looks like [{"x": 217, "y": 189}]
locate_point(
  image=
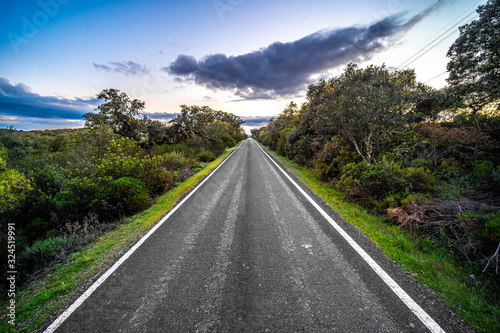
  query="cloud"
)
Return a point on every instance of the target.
[
  {"x": 255, "y": 121},
  {"x": 18, "y": 102},
  {"x": 128, "y": 68},
  {"x": 285, "y": 69},
  {"x": 161, "y": 115}
]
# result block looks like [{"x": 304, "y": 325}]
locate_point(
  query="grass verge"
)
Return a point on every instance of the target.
[
  {"x": 422, "y": 258},
  {"x": 49, "y": 295}
]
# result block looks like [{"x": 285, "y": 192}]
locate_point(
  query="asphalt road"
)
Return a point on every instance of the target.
[{"x": 247, "y": 252}]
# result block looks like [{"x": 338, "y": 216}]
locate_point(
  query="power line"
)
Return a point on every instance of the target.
[
  {"x": 473, "y": 7},
  {"x": 435, "y": 77},
  {"x": 417, "y": 55},
  {"x": 432, "y": 47}
]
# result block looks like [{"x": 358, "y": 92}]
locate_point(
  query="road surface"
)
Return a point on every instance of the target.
[{"x": 248, "y": 252}]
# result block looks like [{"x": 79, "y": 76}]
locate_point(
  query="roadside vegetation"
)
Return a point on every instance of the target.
[
  {"x": 423, "y": 160},
  {"x": 63, "y": 190}
]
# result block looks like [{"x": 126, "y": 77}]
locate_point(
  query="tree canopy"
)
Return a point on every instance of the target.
[
  {"x": 119, "y": 112},
  {"x": 363, "y": 105},
  {"x": 474, "y": 66}
]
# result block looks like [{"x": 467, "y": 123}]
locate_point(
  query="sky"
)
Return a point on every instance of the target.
[{"x": 247, "y": 57}]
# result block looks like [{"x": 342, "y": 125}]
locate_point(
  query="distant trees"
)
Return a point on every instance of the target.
[
  {"x": 474, "y": 66},
  {"x": 122, "y": 115},
  {"x": 203, "y": 123}
]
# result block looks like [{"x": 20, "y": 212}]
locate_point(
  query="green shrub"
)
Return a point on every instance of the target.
[
  {"x": 181, "y": 147},
  {"x": 206, "y": 156},
  {"x": 491, "y": 224},
  {"x": 384, "y": 178},
  {"x": 42, "y": 252},
  {"x": 420, "y": 179},
  {"x": 175, "y": 161},
  {"x": 129, "y": 194},
  {"x": 228, "y": 141},
  {"x": 152, "y": 171}
]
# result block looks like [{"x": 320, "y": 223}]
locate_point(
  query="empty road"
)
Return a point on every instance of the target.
[{"x": 248, "y": 252}]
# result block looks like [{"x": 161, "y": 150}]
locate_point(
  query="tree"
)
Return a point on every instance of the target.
[
  {"x": 193, "y": 120},
  {"x": 119, "y": 112},
  {"x": 474, "y": 66},
  {"x": 364, "y": 105}
]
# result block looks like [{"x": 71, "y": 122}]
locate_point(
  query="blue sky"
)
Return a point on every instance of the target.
[{"x": 248, "y": 57}]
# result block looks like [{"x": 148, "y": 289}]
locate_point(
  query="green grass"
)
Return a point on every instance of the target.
[
  {"x": 426, "y": 261},
  {"x": 49, "y": 295}
]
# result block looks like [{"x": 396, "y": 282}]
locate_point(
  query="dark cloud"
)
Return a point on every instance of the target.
[
  {"x": 255, "y": 121},
  {"x": 128, "y": 68},
  {"x": 19, "y": 101},
  {"x": 162, "y": 115},
  {"x": 285, "y": 69}
]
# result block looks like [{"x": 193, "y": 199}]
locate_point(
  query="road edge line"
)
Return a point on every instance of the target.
[
  {"x": 62, "y": 317},
  {"x": 409, "y": 302}
]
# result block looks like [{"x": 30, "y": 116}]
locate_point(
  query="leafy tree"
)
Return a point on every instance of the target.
[
  {"x": 119, "y": 112},
  {"x": 193, "y": 120},
  {"x": 365, "y": 105},
  {"x": 475, "y": 59}
]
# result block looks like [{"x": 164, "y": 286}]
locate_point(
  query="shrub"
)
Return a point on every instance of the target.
[
  {"x": 384, "y": 178},
  {"x": 126, "y": 193},
  {"x": 174, "y": 161},
  {"x": 420, "y": 179},
  {"x": 152, "y": 172},
  {"x": 42, "y": 252},
  {"x": 332, "y": 158},
  {"x": 228, "y": 141},
  {"x": 206, "y": 156},
  {"x": 181, "y": 147}
]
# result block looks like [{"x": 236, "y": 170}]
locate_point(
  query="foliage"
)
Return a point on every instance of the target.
[
  {"x": 55, "y": 181},
  {"x": 474, "y": 64},
  {"x": 384, "y": 178},
  {"x": 118, "y": 111},
  {"x": 199, "y": 121},
  {"x": 380, "y": 137},
  {"x": 206, "y": 156},
  {"x": 126, "y": 193},
  {"x": 13, "y": 184},
  {"x": 175, "y": 161},
  {"x": 364, "y": 105}
]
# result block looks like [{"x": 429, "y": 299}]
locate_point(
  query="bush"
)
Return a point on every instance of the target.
[
  {"x": 206, "y": 156},
  {"x": 42, "y": 252},
  {"x": 332, "y": 158},
  {"x": 127, "y": 194},
  {"x": 228, "y": 141},
  {"x": 181, "y": 147},
  {"x": 384, "y": 178},
  {"x": 175, "y": 161}
]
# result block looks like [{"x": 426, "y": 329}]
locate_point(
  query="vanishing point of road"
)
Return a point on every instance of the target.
[{"x": 251, "y": 251}]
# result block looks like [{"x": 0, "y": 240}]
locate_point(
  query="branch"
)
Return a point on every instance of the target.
[{"x": 493, "y": 256}]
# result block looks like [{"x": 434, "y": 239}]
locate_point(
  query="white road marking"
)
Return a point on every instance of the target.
[
  {"x": 117, "y": 264},
  {"x": 410, "y": 303}
]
